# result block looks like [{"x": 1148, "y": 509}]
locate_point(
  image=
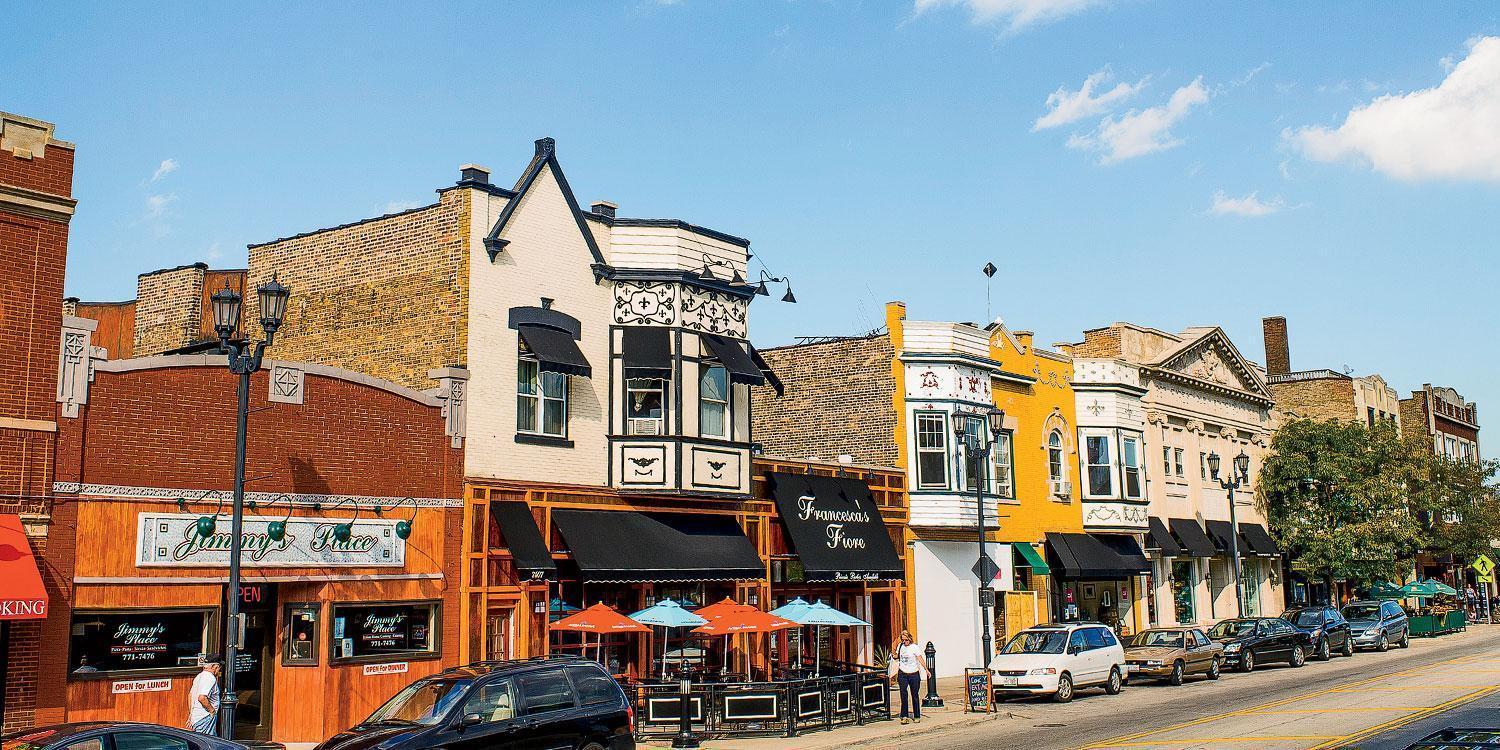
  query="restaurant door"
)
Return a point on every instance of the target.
[{"x": 254, "y": 669}]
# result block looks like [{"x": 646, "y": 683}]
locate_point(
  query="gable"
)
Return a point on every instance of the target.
[
  {"x": 542, "y": 172},
  {"x": 1214, "y": 360}
]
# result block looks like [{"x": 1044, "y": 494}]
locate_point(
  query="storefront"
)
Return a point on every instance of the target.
[
  {"x": 23, "y": 598},
  {"x": 1193, "y": 571},
  {"x": 1099, "y": 578}
]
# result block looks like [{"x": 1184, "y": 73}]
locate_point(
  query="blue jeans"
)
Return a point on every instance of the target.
[
  {"x": 910, "y": 682},
  {"x": 205, "y": 725}
]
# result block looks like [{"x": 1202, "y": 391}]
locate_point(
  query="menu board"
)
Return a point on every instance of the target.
[
  {"x": 978, "y": 690},
  {"x": 128, "y": 641}
]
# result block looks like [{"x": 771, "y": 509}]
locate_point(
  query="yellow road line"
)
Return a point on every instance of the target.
[
  {"x": 1339, "y": 710},
  {"x": 1407, "y": 719},
  {"x": 1404, "y": 688},
  {"x": 1191, "y": 740}
]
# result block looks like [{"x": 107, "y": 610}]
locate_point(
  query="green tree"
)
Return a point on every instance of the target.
[
  {"x": 1458, "y": 501},
  {"x": 1336, "y": 498}
]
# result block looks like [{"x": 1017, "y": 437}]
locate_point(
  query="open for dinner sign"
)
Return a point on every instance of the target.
[{"x": 172, "y": 539}]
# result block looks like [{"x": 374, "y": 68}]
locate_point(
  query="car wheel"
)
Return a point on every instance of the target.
[
  {"x": 1064, "y": 688},
  {"x": 592, "y": 746},
  {"x": 1381, "y": 644},
  {"x": 1247, "y": 661},
  {"x": 1213, "y": 669},
  {"x": 1299, "y": 657},
  {"x": 1348, "y": 648},
  {"x": 1325, "y": 652},
  {"x": 1116, "y": 683},
  {"x": 1405, "y": 640},
  {"x": 1176, "y": 678}
]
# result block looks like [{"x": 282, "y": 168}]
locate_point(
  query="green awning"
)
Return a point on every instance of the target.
[{"x": 1031, "y": 559}]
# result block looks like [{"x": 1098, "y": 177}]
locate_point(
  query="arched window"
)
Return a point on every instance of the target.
[{"x": 1055, "y": 456}]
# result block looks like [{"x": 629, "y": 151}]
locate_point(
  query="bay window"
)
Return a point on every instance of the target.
[
  {"x": 932, "y": 450},
  {"x": 1099, "y": 468},
  {"x": 645, "y": 406},
  {"x": 713, "y": 402},
  {"x": 1130, "y": 462}
]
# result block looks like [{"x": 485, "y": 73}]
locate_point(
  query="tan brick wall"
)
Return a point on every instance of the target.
[
  {"x": 1100, "y": 342},
  {"x": 1324, "y": 398},
  {"x": 167, "y": 310},
  {"x": 839, "y": 399},
  {"x": 387, "y": 297}
]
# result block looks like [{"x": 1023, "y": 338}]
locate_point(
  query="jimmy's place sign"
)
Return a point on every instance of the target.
[{"x": 171, "y": 539}]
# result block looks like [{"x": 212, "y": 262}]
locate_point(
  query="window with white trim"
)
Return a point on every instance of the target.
[
  {"x": 932, "y": 450},
  {"x": 1177, "y": 462},
  {"x": 1166, "y": 461},
  {"x": 1130, "y": 462},
  {"x": 1002, "y": 466},
  {"x": 1055, "y": 464},
  {"x": 713, "y": 402},
  {"x": 1099, "y": 469},
  {"x": 541, "y": 399},
  {"x": 645, "y": 406}
]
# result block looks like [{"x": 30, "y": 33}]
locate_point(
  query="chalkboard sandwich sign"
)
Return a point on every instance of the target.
[{"x": 978, "y": 690}]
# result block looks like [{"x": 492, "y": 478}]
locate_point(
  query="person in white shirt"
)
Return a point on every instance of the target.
[
  {"x": 203, "y": 699},
  {"x": 908, "y": 666}
]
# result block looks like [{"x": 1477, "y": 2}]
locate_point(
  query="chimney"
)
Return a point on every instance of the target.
[
  {"x": 473, "y": 173},
  {"x": 545, "y": 146},
  {"x": 1278, "y": 351},
  {"x": 604, "y": 208}
]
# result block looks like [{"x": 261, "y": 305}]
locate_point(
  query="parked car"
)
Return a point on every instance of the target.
[
  {"x": 1057, "y": 659},
  {"x": 556, "y": 701},
  {"x": 1377, "y": 625},
  {"x": 117, "y": 735},
  {"x": 1252, "y": 641},
  {"x": 1171, "y": 653},
  {"x": 1326, "y": 627}
]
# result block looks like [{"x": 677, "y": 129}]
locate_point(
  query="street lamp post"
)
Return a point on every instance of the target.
[
  {"x": 1239, "y": 475},
  {"x": 243, "y": 359},
  {"x": 978, "y": 454}
]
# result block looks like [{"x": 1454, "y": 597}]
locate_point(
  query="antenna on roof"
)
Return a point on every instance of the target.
[{"x": 989, "y": 275}]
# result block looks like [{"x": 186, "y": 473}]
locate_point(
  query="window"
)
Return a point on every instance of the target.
[
  {"x": 1166, "y": 461},
  {"x": 1202, "y": 465},
  {"x": 541, "y": 400},
  {"x": 1002, "y": 466},
  {"x": 1370, "y": 415},
  {"x": 1093, "y": 638},
  {"x": 148, "y": 741},
  {"x": 384, "y": 630},
  {"x": 544, "y": 691},
  {"x": 1109, "y": 636},
  {"x": 1055, "y": 457},
  {"x": 932, "y": 451},
  {"x": 493, "y": 703},
  {"x": 1129, "y": 461},
  {"x": 1183, "y": 586},
  {"x": 645, "y": 409},
  {"x": 1177, "y": 461},
  {"x": 1077, "y": 642},
  {"x": 1100, "y": 470},
  {"x": 713, "y": 402},
  {"x": 593, "y": 686},
  {"x": 301, "y": 627},
  {"x": 975, "y": 433},
  {"x": 137, "y": 640}
]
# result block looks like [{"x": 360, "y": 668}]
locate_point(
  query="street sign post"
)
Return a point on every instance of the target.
[{"x": 1485, "y": 567}]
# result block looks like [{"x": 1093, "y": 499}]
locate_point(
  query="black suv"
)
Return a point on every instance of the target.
[
  {"x": 551, "y": 702},
  {"x": 1327, "y": 628}
]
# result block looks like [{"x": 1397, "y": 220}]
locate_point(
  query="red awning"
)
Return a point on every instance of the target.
[{"x": 22, "y": 596}]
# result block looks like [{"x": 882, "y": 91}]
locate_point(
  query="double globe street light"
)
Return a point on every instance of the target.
[
  {"x": 1239, "y": 476},
  {"x": 978, "y": 451}
]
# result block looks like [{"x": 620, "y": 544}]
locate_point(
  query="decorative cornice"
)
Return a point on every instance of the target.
[
  {"x": 1181, "y": 379},
  {"x": 168, "y": 494},
  {"x": 37, "y": 203}
]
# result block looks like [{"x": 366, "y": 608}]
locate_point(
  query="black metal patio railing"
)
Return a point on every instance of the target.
[{"x": 783, "y": 707}]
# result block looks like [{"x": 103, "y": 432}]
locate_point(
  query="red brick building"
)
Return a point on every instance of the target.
[{"x": 36, "y": 185}]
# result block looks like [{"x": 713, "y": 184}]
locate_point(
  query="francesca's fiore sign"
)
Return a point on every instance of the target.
[
  {"x": 171, "y": 539},
  {"x": 391, "y": 668},
  {"x": 835, "y": 522},
  {"x": 159, "y": 685}
]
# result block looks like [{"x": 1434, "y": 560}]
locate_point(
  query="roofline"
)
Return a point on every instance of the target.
[
  {"x": 312, "y": 232},
  {"x": 620, "y": 221},
  {"x": 840, "y": 340},
  {"x": 200, "y": 264}
]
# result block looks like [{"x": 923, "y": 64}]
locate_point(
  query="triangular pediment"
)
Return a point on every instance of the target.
[
  {"x": 541, "y": 174},
  {"x": 1212, "y": 358}
]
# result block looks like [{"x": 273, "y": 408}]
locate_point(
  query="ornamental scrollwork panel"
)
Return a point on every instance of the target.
[
  {"x": 645, "y": 304},
  {"x": 713, "y": 312}
]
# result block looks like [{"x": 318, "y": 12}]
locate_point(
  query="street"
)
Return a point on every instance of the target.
[{"x": 1357, "y": 703}]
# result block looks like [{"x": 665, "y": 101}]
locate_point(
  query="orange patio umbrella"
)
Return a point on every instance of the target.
[
  {"x": 744, "y": 621},
  {"x": 600, "y": 618},
  {"x": 720, "y": 608}
]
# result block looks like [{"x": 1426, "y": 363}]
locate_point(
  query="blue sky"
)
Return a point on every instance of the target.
[{"x": 872, "y": 151}]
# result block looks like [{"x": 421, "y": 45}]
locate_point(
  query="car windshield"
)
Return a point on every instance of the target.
[
  {"x": 1233, "y": 629},
  {"x": 1305, "y": 618},
  {"x": 27, "y": 740},
  {"x": 1037, "y": 642},
  {"x": 1168, "y": 638},
  {"x": 1362, "y": 612},
  {"x": 424, "y": 702}
]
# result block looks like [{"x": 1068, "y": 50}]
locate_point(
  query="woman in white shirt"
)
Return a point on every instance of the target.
[{"x": 908, "y": 667}]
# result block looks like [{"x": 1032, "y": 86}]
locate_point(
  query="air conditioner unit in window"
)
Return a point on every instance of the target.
[
  {"x": 644, "y": 426},
  {"x": 1060, "y": 487}
]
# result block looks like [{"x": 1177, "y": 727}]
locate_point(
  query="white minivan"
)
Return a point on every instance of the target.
[{"x": 1057, "y": 659}]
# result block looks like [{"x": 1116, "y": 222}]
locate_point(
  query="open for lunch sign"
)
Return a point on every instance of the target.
[{"x": 171, "y": 539}]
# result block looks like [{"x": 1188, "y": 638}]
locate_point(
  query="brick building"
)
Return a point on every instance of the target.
[
  {"x": 1323, "y": 394},
  {"x": 1444, "y": 417},
  {"x": 36, "y": 204},
  {"x": 170, "y": 313}
]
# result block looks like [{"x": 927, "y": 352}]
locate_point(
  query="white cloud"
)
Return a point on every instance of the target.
[
  {"x": 156, "y": 205},
  {"x": 1141, "y": 132},
  {"x": 1250, "y": 205},
  {"x": 1451, "y": 131},
  {"x": 168, "y": 166},
  {"x": 1251, "y": 74},
  {"x": 393, "y": 207},
  {"x": 1064, "y": 106},
  {"x": 1015, "y": 14},
  {"x": 214, "y": 252}
]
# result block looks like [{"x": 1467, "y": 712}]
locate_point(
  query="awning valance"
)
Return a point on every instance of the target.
[
  {"x": 1077, "y": 555},
  {"x": 835, "y": 528},
  {"x": 732, "y": 355},
  {"x": 527, "y": 548},
  {"x": 1032, "y": 559},
  {"x": 1128, "y": 549},
  {"x": 633, "y": 547},
  {"x": 1159, "y": 539},
  {"x": 1259, "y": 539},
  {"x": 1223, "y": 535},
  {"x": 1191, "y": 537},
  {"x": 22, "y": 595},
  {"x": 555, "y": 350},
  {"x": 647, "y": 351}
]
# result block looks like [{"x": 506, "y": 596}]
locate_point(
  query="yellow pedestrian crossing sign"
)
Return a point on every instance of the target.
[
  {"x": 1486, "y": 578},
  {"x": 1484, "y": 566}
]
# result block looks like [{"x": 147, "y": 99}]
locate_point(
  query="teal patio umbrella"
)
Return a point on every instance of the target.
[
  {"x": 821, "y": 615},
  {"x": 1418, "y": 589},
  {"x": 791, "y": 611},
  {"x": 1440, "y": 587},
  {"x": 667, "y": 614},
  {"x": 1385, "y": 590}
]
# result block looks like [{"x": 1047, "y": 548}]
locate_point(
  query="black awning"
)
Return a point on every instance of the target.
[
  {"x": 647, "y": 351},
  {"x": 1259, "y": 540},
  {"x": 1159, "y": 539},
  {"x": 1191, "y": 537},
  {"x": 835, "y": 528},
  {"x": 1128, "y": 549},
  {"x": 765, "y": 369},
  {"x": 619, "y": 546},
  {"x": 527, "y": 548},
  {"x": 1223, "y": 535},
  {"x": 732, "y": 354},
  {"x": 1074, "y": 555},
  {"x": 555, "y": 350}
]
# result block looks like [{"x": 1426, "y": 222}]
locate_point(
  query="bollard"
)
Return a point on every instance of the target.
[
  {"x": 685, "y": 738},
  {"x": 932, "y": 700}
]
